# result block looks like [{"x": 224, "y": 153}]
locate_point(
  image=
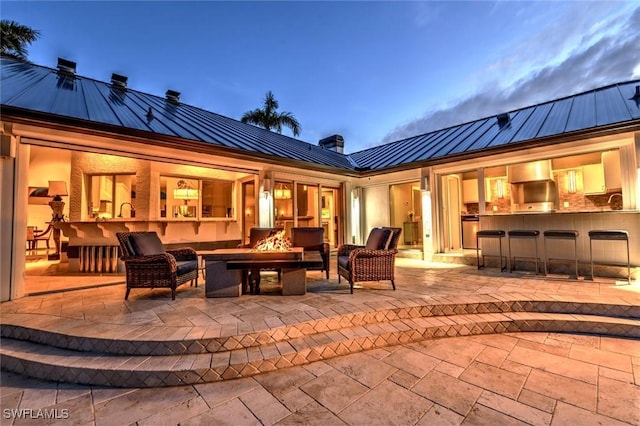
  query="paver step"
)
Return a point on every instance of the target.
[
  {"x": 121, "y": 339},
  {"x": 96, "y": 368}
]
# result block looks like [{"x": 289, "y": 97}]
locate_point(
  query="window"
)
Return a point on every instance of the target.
[
  {"x": 185, "y": 198},
  {"x": 283, "y": 206},
  {"x": 217, "y": 198},
  {"x": 283, "y": 200},
  {"x": 112, "y": 196},
  {"x": 307, "y": 199}
]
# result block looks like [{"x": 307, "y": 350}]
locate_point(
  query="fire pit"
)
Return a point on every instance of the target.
[
  {"x": 275, "y": 242},
  {"x": 222, "y": 278}
]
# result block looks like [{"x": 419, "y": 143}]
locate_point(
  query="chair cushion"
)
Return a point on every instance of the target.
[
  {"x": 343, "y": 261},
  {"x": 378, "y": 238},
  {"x": 146, "y": 244},
  {"x": 130, "y": 251},
  {"x": 394, "y": 238},
  {"x": 186, "y": 266},
  {"x": 312, "y": 239}
]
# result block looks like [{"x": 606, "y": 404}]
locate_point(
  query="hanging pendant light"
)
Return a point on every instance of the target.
[{"x": 282, "y": 192}]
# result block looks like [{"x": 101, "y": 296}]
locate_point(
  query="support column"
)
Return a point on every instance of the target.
[
  {"x": 265, "y": 201},
  {"x": 630, "y": 173},
  {"x": 428, "y": 240},
  {"x": 13, "y": 222},
  {"x": 481, "y": 192}
]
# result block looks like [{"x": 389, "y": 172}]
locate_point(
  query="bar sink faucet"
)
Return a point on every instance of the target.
[
  {"x": 611, "y": 198},
  {"x": 133, "y": 209},
  {"x": 613, "y": 195}
]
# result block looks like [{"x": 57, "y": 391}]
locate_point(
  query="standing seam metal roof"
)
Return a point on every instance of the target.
[
  {"x": 609, "y": 105},
  {"x": 44, "y": 90}
]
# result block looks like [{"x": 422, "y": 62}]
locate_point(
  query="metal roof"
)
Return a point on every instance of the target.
[
  {"x": 63, "y": 96},
  {"x": 45, "y": 90},
  {"x": 616, "y": 104}
]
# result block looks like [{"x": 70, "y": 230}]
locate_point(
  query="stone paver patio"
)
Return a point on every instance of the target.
[{"x": 557, "y": 376}]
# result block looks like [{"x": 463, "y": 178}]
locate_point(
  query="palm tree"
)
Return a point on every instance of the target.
[
  {"x": 270, "y": 119},
  {"x": 15, "y": 38}
]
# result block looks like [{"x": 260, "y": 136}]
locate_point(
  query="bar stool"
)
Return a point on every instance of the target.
[
  {"x": 610, "y": 235},
  {"x": 561, "y": 234},
  {"x": 493, "y": 233},
  {"x": 523, "y": 234}
]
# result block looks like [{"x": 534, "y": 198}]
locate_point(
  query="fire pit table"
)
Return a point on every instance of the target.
[{"x": 224, "y": 267}]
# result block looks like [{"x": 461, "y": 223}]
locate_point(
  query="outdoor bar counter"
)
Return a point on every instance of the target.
[
  {"x": 604, "y": 252},
  {"x": 97, "y": 238}
]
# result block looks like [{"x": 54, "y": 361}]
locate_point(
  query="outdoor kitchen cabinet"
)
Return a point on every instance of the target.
[
  {"x": 593, "y": 179},
  {"x": 470, "y": 192},
  {"x": 600, "y": 178}
]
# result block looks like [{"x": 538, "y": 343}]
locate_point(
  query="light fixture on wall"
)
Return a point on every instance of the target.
[
  {"x": 500, "y": 188},
  {"x": 425, "y": 184},
  {"x": 266, "y": 185},
  {"x": 186, "y": 193},
  {"x": 57, "y": 189},
  {"x": 571, "y": 176},
  {"x": 282, "y": 192}
]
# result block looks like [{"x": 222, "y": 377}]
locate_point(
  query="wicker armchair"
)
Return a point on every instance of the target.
[
  {"x": 312, "y": 239},
  {"x": 373, "y": 262},
  {"x": 149, "y": 265}
]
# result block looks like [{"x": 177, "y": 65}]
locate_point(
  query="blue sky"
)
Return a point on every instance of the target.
[{"x": 373, "y": 72}]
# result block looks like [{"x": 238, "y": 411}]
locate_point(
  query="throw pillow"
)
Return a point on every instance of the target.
[
  {"x": 147, "y": 244},
  {"x": 378, "y": 238}
]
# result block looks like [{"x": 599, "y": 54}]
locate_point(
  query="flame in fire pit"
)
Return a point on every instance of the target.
[{"x": 275, "y": 242}]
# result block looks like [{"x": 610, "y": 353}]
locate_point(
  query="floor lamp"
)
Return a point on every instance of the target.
[{"x": 57, "y": 189}]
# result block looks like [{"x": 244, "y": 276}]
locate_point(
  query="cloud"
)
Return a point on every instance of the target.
[{"x": 598, "y": 61}]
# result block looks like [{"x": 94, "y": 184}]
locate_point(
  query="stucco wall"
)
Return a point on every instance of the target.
[{"x": 376, "y": 207}]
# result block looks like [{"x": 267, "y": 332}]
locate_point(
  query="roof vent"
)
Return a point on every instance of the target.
[
  {"x": 503, "y": 119},
  {"x": 637, "y": 95},
  {"x": 333, "y": 143},
  {"x": 118, "y": 80},
  {"x": 66, "y": 66},
  {"x": 173, "y": 96}
]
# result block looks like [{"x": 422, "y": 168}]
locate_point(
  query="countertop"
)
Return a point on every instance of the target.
[
  {"x": 161, "y": 220},
  {"x": 558, "y": 213}
]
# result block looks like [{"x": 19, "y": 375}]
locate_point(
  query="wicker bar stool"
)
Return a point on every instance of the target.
[
  {"x": 561, "y": 234},
  {"x": 523, "y": 234},
  {"x": 492, "y": 233},
  {"x": 610, "y": 235}
]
